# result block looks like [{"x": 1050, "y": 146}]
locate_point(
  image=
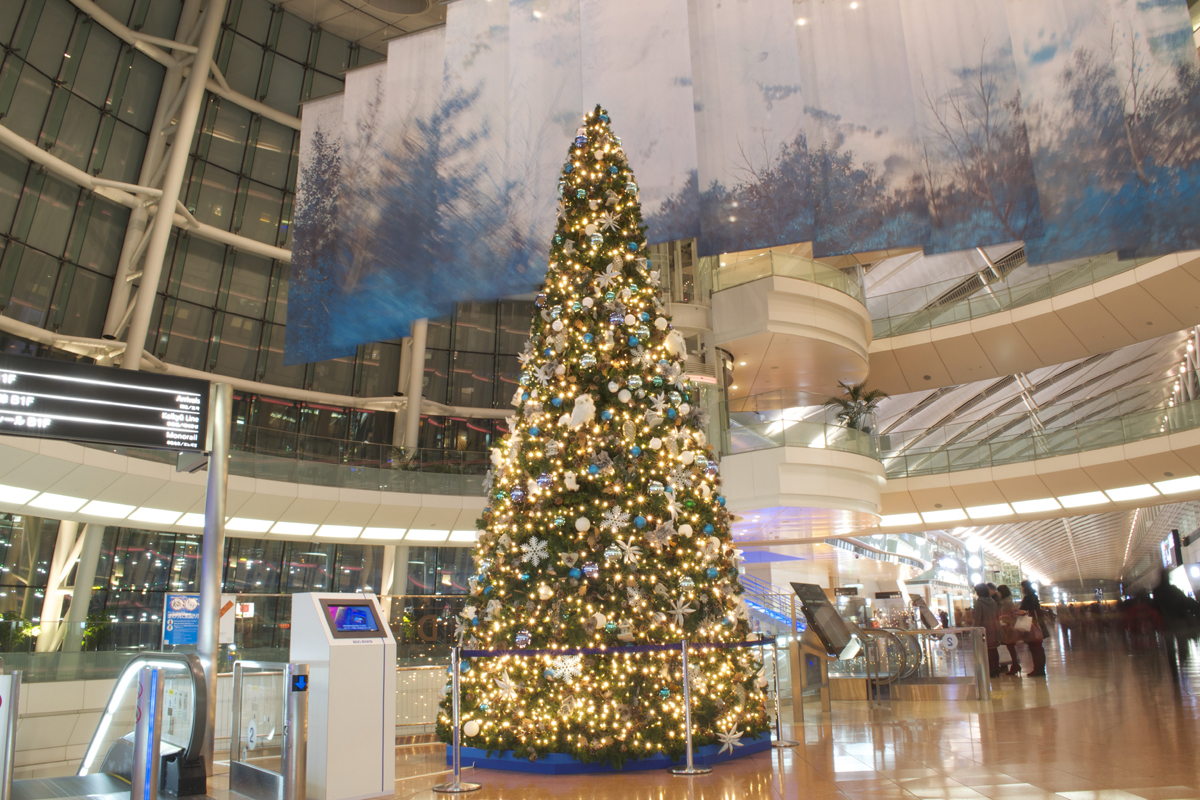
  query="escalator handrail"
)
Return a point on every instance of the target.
[{"x": 128, "y": 674}]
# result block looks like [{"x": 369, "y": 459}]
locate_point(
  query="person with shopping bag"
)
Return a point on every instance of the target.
[
  {"x": 1008, "y": 631},
  {"x": 1032, "y": 630}
]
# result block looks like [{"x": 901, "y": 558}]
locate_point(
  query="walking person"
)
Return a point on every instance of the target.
[
  {"x": 1032, "y": 606},
  {"x": 1008, "y": 633},
  {"x": 986, "y": 615}
]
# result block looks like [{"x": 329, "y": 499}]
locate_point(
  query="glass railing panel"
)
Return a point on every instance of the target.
[{"x": 788, "y": 266}]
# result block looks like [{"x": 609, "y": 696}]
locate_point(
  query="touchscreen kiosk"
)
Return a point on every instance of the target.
[
  {"x": 352, "y": 695},
  {"x": 825, "y": 620}
]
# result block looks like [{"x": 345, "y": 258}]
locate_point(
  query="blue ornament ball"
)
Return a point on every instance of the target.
[
  {"x": 613, "y": 170},
  {"x": 713, "y": 572},
  {"x": 580, "y": 140},
  {"x": 645, "y": 316},
  {"x": 589, "y": 338},
  {"x": 487, "y": 590},
  {"x": 606, "y": 415},
  {"x": 569, "y": 168},
  {"x": 524, "y": 576},
  {"x": 610, "y": 296},
  {"x": 708, "y": 528},
  {"x": 721, "y": 500},
  {"x": 633, "y": 247},
  {"x": 593, "y": 469},
  {"x": 548, "y": 352},
  {"x": 557, "y": 402},
  {"x": 534, "y": 430},
  {"x": 524, "y": 395},
  {"x": 635, "y": 451},
  {"x": 640, "y": 521},
  {"x": 633, "y": 341},
  {"x": 604, "y": 117},
  {"x": 575, "y": 572},
  {"x": 671, "y": 413},
  {"x": 665, "y": 692}
]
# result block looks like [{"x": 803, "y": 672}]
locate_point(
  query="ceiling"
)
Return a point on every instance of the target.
[{"x": 368, "y": 23}]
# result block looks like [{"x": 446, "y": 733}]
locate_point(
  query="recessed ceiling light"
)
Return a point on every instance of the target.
[
  {"x": 983, "y": 512},
  {"x": 247, "y": 525},
  {"x": 741, "y": 363},
  {"x": 383, "y": 533},
  {"x": 734, "y": 386},
  {"x": 1131, "y": 492},
  {"x": 892, "y": 520},
  {"x": 99, "y": 508},
  {"x": 802, "y": 21},
  {"x": 57, "y": 502},
  {"x": 417, "y": 535},
  {"x": 1179, "y": 485},
  {"x": 294, "y": 528},
  {"x": 16, "y": 496},
  {"x": 1085, "y": 499},
  {"x": 1036, "y": 506},
  {"x": 462, "y": 536},
  {"x": 191, "y": 521},
  {"x": 945, "y": 515},
  {"x": 339, "y": 531},
  {"x": 156, "y": 516}
]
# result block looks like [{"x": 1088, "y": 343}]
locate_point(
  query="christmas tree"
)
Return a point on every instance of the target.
[{"x": 605, "y": 525}]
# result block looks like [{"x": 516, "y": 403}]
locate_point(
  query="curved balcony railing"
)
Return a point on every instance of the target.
[
  {"x": 1103, "y": 421},
  {"x": 959, "y": 300},
  {"x": 788, "y": 266},
  {"x": 790, "y": 419},
  {"x": 320, "y": 461}
]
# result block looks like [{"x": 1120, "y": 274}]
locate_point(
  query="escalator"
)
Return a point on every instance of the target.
[{"x": 107, "y": 765}]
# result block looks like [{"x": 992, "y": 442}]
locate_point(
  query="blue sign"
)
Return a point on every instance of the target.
[
  {"x": 299, "y": 683},
  {"x": 181, "y": 620}
]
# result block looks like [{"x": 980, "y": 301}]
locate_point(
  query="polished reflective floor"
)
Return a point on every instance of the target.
[{"x": 1109, "y": 722}]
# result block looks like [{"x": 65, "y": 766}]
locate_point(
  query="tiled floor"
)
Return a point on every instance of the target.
[{"x": 1108, "y": 724}]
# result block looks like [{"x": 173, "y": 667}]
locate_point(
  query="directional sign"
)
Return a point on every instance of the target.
[
  {"x": 53, "y": 399},
  {"x": 299, "y": 683}
]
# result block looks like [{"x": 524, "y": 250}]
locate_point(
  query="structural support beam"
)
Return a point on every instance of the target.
[
  {"x": 81, "y": 595},
  {"x": 160, "y": 229},
  {"x": 416, "y": 380},
  {"x": 65, "y": 553},
  {"x": 212, "y": 555}
]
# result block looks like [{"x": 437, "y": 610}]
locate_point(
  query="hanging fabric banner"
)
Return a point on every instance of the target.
[
  {"x": 643, "y": 72},
  {"x": 974, "y": 156},
  {"x": 862, "y": 129},
  {"x": 754, "y": 186},
  {"x": 316, "y": 271}
]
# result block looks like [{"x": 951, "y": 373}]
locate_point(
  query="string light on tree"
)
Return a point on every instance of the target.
[{"x": 595, "y": 500}]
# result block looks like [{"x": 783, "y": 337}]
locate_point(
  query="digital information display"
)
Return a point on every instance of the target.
[
  {"x": 353, "y": 619},
  {"x": 82, "y": 402}
]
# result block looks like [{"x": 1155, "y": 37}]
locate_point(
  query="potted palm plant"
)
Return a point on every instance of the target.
[{"x": 856, "y": 407}]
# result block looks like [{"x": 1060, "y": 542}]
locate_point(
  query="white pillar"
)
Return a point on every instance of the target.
[
  {"x": 85, "y": 579},
  {"x": 52, "y": 602},
  {"x": 160, "y": 229},
  {"x": 212, "y": 556},
  {"x": 416, "y": 378}
]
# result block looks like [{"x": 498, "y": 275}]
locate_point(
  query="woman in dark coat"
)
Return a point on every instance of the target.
[
  {"x": 1032, "y": 606},
  {"x": 987, "y": 616}
]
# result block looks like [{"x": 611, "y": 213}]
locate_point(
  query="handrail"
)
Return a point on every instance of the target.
[
  {"x": 917, "y": 309},
  {"x": 178, "y": 661},
  {"x": 785, "y": 265}
]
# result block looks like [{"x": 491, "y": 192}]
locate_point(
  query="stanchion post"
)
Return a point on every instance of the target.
[
  {"x": 779, "y": 740},
  {"x": 457, "y": 786},
  {"x": 690, "y": 769}
]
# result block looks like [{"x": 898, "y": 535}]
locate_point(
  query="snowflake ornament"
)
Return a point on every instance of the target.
[
  {"x": 525, "y": 356},
  {"x": 610, "y": 221},
  {"x": 680, "y": 478},
  {"x": 615, "y": 518},
  {"x": 659, "y": 403},
  {"x": 729, "y": 738},
  {"x": 660, "y": 537},
  {"x": 633, "y": 594},
  {"x": 507, "y": 686},
  {"x": 536, "y": 551},
  {"x": 567, "y": 668},
  {"x": 610, "y": 275},
  {"x": 629, "y": 551},
  {"x": 680, "y": 610},
  {"x": 674, "y": 507}
]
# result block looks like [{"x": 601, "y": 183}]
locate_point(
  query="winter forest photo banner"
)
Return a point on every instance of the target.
[{"x": 858, "y": 125}]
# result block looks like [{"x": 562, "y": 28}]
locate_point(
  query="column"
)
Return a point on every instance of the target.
[{"x": 85, "y": 579}]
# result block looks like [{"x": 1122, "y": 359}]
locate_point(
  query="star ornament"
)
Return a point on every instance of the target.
[
  {"x": 610, "y": 221},
  {"x": 729, "y": 739},
  {"x": 507, "y": 686},
  {"x": 629, "y": 551}
]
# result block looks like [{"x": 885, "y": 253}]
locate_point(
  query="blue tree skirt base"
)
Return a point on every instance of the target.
[{"x": 562, "y": 764}]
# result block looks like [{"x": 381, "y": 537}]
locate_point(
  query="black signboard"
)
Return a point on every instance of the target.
[
  {"x": 846, "y": 591},
  {"x": 888, "y": 595},
  {"x": 823, "y": 618},
  {"x": 928, "y": 618},
  {"x": 82, "y": 402}
]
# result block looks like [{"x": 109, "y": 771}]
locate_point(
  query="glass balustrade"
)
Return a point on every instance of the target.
[
  {"x": 957, "y": 300},
  {"x": 784, "y": 265},
  {"x": 790, "y": 419}
]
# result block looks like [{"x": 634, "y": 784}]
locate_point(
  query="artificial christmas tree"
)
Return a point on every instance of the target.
[{"x": 605, "y": 527}]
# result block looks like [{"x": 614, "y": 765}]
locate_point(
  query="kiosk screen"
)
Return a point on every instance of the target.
[
  {"x": 823, "y": 617},
  {"x": 353, "y": 619}
]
